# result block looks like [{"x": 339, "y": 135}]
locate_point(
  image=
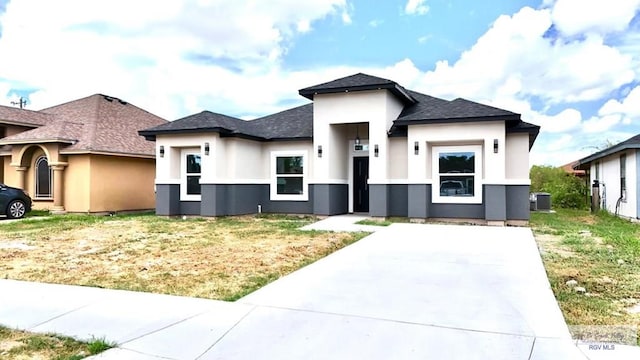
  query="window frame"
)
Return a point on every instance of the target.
[
  {"x": 477, "y": 174},
  {"x": 184, "y": 196},
  {"x": 37, "y": 194},
  {"x": 273, "y": 185}
]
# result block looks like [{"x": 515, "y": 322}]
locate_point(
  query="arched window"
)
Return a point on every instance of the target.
[{"x": 43, "y": 178}]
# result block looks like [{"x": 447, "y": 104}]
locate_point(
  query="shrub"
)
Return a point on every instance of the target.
[{"x": 567, "y": 190}]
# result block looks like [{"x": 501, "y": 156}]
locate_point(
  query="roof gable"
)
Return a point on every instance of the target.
[{"x": 358, "y": 82}]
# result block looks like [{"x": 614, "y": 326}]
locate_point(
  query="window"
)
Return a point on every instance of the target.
[
  {"x": 191, "y": 172},
  {"x": 623, "y": 177},
  {"x": 597, "y": 171},
  {"x": 457, "y": 172},
  {"x": 288, "y": 176},
  {"x": 43, "y": 178}
]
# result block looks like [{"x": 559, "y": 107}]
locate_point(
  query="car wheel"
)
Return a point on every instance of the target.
[{"x": 16, "y": 209}]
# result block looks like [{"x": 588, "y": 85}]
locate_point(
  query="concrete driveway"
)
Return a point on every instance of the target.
[
  {"x": 411, "y": 291},
  {"x": 408, "y": 291}
]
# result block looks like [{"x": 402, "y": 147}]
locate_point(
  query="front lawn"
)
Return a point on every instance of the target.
[
  {"x": 223, "y": 258},
  {"x": 602, "y": 254}
]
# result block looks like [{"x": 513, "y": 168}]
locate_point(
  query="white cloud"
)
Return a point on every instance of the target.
[
  {"x": 566, "y": 120},
  {"x": 170, "y": 58},
  {"x": 346, "y": 18},
  {"x": 574, "y": 17},
  {"x": 303, "y": 26},
  {"x": 515, "y": 46},
  {"x": 562, "y": 143},
  {"x": 376, "y": 22},
  {"x": 628, "y": 108},
  {"x": 416, "y": 7},
  {"x": 178, "y": 58},
  {"x": 424, "y": 39},
  {"x": 601, "y": 124}
]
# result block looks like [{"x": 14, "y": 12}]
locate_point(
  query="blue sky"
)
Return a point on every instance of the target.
[{"x": 571, "y": 66}]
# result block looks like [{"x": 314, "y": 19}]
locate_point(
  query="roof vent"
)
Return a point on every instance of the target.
[
  {"x": 122, "y": 102},
  {"x": 108, "y": 98}
]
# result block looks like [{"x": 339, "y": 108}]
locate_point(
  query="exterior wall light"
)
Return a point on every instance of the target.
[
  {"x": 161, "y": 151},
  {"x": 206, "y": 148},
  {"x": 495, "y": 146},
  {"x": 416, "y": 148},
  {"x": 319, "y": 151},
  {"x": 376, "y": 150}
]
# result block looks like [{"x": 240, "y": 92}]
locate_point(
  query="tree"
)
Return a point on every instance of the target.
[{"x": 567, "y": 190}]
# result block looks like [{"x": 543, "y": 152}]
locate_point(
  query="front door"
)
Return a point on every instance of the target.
[{"x": 360, "y": 186}]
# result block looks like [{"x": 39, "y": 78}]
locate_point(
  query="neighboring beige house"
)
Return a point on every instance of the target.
[
  {"x": 80, "y": 156},
  {"x": 363, "y": 145}
]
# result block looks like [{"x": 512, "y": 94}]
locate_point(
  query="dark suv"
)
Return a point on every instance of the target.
[{"x": 14, "y": 202}]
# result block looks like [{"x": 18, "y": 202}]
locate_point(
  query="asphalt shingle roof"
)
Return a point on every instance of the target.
[
  {"x": 97, "y": 123},
  {"x": 430, "y": 110},
  {"x": 297, "y": 123},
  {"x": 631, "y": 143},
  {"x": 205, "y": 120},
  {"x": 357, "y": 82},
  {"x": 23, "y": 117}
]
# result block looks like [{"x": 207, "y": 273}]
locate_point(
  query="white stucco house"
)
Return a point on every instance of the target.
[
  {"x": 364, "y": 144},
  {"x": 616, "y": 169}
]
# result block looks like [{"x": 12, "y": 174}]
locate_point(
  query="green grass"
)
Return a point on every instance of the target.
[
  {"x": 219, "y": 258},
  {"x": 24, "y": 345},
  {"x": 37, "y": 213},
  {"x": 602, "y": 253},
  {"x": 374, "y": 222},
  {"x": 256, "y": 282}
]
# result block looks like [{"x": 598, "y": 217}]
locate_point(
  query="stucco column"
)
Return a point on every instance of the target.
[
  {"x": 58, "y": 189},
  {"x": 22, "y": 172}
]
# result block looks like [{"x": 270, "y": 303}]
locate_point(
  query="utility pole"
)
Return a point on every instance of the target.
[{"x": 22, "y": 102}]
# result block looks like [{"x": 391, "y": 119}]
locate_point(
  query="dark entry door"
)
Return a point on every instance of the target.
[{"x": 360, "y": 186}]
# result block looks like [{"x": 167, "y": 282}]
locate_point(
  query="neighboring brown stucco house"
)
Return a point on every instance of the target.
[
  {"x": 80, "y": 156},
  {"x": 570, "y": 169}
]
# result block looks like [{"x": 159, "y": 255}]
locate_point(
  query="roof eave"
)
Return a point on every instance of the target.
[
  {"x": 108, "y": 153},
  {"x": 150, "y": 135},
  {"x": 392, "y": 87},
  {"x": 20, "y": 123},
  {"x": 37, "y": 141},
  {"x": 401, "y": 122},
  {"x": 604, "y": 153},
  {"x": 293, "y": 138}
]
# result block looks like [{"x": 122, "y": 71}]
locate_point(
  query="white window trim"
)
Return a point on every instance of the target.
[
  {"x": 273, "y": 186},
  {"x": 183, "y": 174},
  {"x": 477, "y": 181}
]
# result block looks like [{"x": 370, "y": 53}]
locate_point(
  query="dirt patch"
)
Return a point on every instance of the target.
[
  {"x": 202, "y": 258},
  {"x": 552, "y": 244},
  {"x": 8, "y": 345}
]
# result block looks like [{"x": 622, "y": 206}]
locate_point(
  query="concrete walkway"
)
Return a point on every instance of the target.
[{"x": 408, "y": 291}]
